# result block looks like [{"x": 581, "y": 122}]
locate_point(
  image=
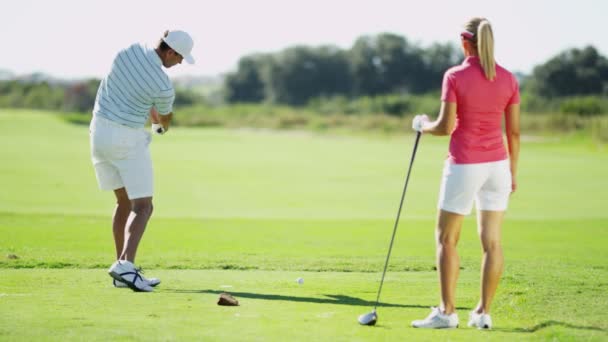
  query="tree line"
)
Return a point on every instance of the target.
[
  {"x": 375, "y": 66},
  {"x": 389, "y": 64},
  {"x": 572, "y": 72},
  {"x": 66, "y": 96}
]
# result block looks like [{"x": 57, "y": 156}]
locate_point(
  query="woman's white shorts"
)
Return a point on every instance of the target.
[
  {"x": 121, "y": 158},
  {"x": 488, "y": 184}
]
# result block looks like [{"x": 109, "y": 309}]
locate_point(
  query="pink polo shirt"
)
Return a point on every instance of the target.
[{"x": 477, "y": 137}]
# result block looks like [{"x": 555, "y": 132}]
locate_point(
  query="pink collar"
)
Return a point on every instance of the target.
[{"x": 471, "y": 60}]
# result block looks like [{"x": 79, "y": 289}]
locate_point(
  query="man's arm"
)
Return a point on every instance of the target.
[
  {"x": 163, "y": 120},
  {"x": 154, "y": 116}
]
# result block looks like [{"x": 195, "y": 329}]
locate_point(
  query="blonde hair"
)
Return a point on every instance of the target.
[{"x": 483, "y": 39}]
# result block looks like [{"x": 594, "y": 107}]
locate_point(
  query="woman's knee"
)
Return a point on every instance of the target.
[
  {"x": 447, "y": 232},
  {"x": 491, "y": 244},
  {"x": 445, "y": 239}
]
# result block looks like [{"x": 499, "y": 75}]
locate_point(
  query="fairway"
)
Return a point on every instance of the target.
[{"x": 250, "y": 211}]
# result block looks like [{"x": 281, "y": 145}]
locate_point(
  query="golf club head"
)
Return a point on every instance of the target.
[{"x": 368, "y": 319}]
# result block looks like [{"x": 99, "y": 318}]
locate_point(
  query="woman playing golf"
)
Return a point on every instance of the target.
[{"x": 479, "y": 169}]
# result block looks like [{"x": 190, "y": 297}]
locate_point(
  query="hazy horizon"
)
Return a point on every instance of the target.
[{"x": 66, "y": 39}]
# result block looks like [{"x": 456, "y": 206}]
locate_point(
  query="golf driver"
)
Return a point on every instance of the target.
[{"x": 372, "y": 317}]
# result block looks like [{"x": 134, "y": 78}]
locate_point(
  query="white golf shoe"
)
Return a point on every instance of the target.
[
  {"x": 151, "y": 281},
  {"x": 481, "y": 321},
  {"x": 437, "y": 320},
  {"x": 124, "y": 271}
]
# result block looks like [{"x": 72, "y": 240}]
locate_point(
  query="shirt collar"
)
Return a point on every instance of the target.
[
  {"x": 154, "y": 56},
  {"x": 471, "y": 60}
]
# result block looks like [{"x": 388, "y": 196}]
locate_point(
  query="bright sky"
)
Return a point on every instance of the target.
[{"x": 72, "y": 38}]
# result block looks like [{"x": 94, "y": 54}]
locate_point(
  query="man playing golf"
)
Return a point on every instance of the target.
[
  {"x": 476, "y": 96},
  {"x": 135, "y": 88}
]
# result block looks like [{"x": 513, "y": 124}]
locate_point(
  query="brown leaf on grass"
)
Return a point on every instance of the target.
[{"x": 226, "y": 299}]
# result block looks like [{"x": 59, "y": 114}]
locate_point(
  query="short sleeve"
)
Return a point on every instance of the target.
[
  {"x": 448, "y": 91},
  {"x": 164, "y": 101}
]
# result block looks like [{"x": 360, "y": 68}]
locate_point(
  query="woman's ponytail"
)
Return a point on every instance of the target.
[
  {"x": 479, "y": 32},
  {"x": 485, "y": 49}
]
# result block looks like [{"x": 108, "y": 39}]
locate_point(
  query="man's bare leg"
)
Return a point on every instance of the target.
[
  {"x": 141, "y": 210},
  {"x": 119, "y": 219}
]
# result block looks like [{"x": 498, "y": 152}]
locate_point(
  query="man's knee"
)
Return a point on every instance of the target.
[
  {"x": 142, "y": 206},
  {"x": 122, "y": 199}
]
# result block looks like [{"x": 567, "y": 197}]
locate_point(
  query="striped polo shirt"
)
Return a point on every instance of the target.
[{"x": 135, "y": 84}]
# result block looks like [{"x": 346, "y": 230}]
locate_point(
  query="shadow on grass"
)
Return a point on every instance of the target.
[
  {"x": 547, "y": 324},
  {"x": 332, "y": 299}
]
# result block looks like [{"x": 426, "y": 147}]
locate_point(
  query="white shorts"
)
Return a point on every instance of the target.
[
  {"x": 121, "y": 158},
  {"x": 488, "y": 184}
]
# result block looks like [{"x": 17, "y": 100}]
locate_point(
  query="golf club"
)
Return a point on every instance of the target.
[{"x": 372, "y": 317}]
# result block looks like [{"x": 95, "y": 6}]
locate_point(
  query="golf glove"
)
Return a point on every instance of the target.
[
  {"x": 419, "y": 121},
  {"x": 158, "y": 129}
]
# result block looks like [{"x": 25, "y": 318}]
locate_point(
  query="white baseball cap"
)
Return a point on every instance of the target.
[{"x": 182, "y": 43}]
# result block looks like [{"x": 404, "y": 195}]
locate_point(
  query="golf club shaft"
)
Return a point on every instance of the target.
[{"x": 390, "y": 247}]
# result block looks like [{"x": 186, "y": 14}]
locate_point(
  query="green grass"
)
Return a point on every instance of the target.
[{"x": 249, "y": 211}]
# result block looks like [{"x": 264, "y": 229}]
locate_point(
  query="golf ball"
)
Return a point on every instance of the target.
[{"x": 300, "y": 281}]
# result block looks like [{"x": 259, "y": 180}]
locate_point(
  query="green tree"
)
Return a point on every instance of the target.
[
  {"x": 12, "y": 93},
  {"x": 437, "y": 59},
  {"x": 80, "y": 97},
  {"x": 43, "y": 96},
  {"x": 385, "y": 63},
  {"x": 302, "y": 73},
  {"x": 246, "y": 84},
  {"x": 573, "y": 72}
]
